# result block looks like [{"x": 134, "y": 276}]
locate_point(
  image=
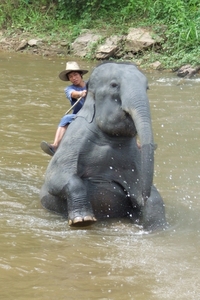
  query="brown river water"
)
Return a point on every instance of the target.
[{"x": 40, "y": 256}]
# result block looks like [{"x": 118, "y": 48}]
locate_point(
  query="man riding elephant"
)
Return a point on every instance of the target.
[{"x": 98, "y": 170}]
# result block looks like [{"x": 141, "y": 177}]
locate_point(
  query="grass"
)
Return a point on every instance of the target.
[{"x": 176, "y": 22}]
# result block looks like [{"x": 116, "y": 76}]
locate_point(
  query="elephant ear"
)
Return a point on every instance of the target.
[{"x": 88, "y": 110}]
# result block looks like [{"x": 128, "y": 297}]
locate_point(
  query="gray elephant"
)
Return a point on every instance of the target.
[{"x": 99, "y": 171}]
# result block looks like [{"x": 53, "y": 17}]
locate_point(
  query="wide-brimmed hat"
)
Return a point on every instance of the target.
[{"x": 71, "y": 66}]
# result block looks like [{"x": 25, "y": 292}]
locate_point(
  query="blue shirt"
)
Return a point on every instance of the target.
[{"x": 69, "y": 90}]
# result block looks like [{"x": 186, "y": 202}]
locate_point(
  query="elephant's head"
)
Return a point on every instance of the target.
[{"x": 117, "y": 101}]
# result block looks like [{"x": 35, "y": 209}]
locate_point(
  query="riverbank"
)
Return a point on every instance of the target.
[
  {"x": 50, "y": 46},
  {"x": 17, "y": 41},
  {"x": 50, "y": 28}
]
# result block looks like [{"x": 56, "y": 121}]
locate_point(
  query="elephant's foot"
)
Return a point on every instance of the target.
[{"x": 79, "y": 221}]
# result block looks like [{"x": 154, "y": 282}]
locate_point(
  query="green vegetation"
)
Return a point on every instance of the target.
[{"x": 177, "y": 22}]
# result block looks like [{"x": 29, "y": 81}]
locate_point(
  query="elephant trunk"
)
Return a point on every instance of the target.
[{"x": 140, "y": 114}]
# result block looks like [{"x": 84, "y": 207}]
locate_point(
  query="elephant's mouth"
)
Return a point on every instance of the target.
[{"x": 122, "y": 126}]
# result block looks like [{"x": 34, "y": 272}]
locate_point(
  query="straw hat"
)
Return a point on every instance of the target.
[{"x": 71, "y": 66}]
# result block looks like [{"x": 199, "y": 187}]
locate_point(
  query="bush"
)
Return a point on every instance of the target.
[{"x": 181, "y": 18}]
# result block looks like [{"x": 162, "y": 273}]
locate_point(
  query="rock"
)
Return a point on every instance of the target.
[
  {"x": 64, "y": 44},
  {"x": 83, "y": 44},
  {"x": 3, "y": 41},
  {"x": 109, "y": 48},
  {"x": 137, "y": 39},
  {"x": 22, "y": 45},
  {"x": 156, "y": 65},
  {"x": 188, "y": 71},
  {"x": 127, "y": 56},
  {"x": 33, "y": 42},
  {"x": 47, "y": 53}
]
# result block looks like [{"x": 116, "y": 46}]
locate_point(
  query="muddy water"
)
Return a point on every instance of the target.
[{"x": 40, "y": 256}]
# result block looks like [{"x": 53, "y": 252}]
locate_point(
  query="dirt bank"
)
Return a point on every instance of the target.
[
  {"x": 27, "y": 43},
  {"x": 47, "y": 46}
]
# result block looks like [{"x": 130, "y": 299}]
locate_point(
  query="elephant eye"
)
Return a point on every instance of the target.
[{"x": 114, "y": 84}]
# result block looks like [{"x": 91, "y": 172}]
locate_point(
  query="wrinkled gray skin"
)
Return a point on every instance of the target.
[{"x": 98, "y": 170}]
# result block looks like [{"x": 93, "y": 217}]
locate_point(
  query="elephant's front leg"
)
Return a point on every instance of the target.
[{"x": 80, "y": 212}]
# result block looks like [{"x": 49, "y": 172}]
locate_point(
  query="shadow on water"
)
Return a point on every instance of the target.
[{"x": 40, "y": 256}]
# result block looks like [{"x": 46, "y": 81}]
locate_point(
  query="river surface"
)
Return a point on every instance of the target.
[{"x": 40, "y": 256}]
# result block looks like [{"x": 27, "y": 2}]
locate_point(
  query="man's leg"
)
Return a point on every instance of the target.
[{"x": 50, "y": 149}]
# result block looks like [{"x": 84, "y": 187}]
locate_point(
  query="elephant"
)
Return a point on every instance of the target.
[{"x": 99, "y": 170}]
